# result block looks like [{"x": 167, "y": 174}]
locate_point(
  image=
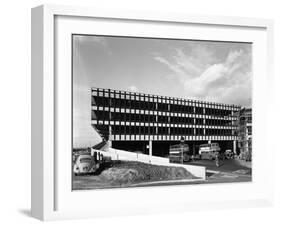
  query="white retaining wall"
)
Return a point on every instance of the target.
[{"x": 115, "y": 154}]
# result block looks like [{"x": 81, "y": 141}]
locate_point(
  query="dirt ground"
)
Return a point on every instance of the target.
[{"x": 127, "y": 173}]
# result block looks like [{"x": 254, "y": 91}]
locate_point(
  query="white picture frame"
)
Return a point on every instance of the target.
[{"x": 52, "y": 197}]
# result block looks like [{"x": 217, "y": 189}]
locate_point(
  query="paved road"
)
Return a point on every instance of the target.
[
  {"x": 228, "y": 165},
  {"x": 228, "y": 171}
]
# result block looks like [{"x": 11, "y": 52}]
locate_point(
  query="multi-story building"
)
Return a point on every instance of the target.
[
  {"x": 244, "y": 127},
  {"x": 151, "y": 123}
]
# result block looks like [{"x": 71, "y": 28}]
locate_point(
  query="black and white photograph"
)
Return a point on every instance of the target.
[{"x": 158, "y": 112}]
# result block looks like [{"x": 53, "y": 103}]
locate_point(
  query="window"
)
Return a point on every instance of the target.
[
  {"x": 249, "y": 130},
  {"x": 199, "y": 131},
  {"x": 85, "y": 160},
  {"x": 152, "y": 118},
  {"x": 106, "y": 101},
  {"x": 199, "y": 121},
  {"x": 102, "y": 115},
  {"x": 199, "y": 110},
  {"x": 127, "y": 117},
  {"x": 162, "y": 119},
  {"x": 127, "y": 129},
  {"x": 142, "y": 105},
  {"x": 152, "y": 106},
  {"x": 146, "y": 130},
  {"x": 152, "y": 130},
  {"x": 133, "y": 130},
  {"x": 122, "y": 129},
  {"x": 162, "y": 107}
]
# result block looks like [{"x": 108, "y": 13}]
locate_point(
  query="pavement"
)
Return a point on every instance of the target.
[
  {"x": 227, "y": 165},
  {"x": 230, "y": 170}
]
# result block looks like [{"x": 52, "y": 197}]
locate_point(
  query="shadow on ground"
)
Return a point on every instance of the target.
[{"x": 25, "y": 212}]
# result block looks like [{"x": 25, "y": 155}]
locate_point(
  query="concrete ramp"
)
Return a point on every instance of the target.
[
  {"x": 103, "y": 146},
  {"x": 115, "y": 154}
]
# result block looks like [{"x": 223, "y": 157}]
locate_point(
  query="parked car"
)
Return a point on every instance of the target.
[
  {"x": 229, "y": 154},
  {"x": 85, "y": 164}
]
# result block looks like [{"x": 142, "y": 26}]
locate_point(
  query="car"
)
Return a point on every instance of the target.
[
  {"x": 229, "y": 154},
  {"x": 85, "y": 164}
]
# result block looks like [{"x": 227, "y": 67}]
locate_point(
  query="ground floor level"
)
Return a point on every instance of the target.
[{"x": 161, "y": 148}]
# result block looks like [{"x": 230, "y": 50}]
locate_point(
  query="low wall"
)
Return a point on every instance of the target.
[
  {"x": 115, "y": 154},
  {"x": 197, "y": 171}
]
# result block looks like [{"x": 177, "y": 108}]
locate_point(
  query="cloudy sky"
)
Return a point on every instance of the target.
[{"x": 212, "y": 71}]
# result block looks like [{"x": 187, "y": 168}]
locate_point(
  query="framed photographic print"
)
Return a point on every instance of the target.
[{"x": 136, "y": 112}]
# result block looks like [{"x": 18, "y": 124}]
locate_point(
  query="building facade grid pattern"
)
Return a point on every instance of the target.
[{"x": 122, "y": 115}]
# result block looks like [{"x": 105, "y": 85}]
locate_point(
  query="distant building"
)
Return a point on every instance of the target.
[
  {"x": 244, "y": 132},
  {"x": 151, "y": 123}
]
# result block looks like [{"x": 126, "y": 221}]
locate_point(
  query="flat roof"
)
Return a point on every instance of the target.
[{"x": 164, "y": 97}]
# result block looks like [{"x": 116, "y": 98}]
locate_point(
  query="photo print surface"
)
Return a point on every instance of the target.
[{"x": 158, "y": 112}]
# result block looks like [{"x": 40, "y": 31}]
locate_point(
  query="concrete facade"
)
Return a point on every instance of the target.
[
  {"x": 244, "y": 126},
  {"x": 145, "y": 123}
]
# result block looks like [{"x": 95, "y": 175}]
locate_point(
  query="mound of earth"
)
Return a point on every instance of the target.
[{"x": 124, "y": 172}]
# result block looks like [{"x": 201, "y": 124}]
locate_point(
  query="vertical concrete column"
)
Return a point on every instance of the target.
[
  {"x": 234, "y": 146},
  {"x": 110, "y": 137},
  {"x": 194, "y": 121},
  {"x": 193, "y": 148},
  {"x": 150, "y": 150}
]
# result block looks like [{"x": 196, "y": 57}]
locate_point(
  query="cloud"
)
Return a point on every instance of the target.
[
  {"x": 199, "y": 85},
  {"x": 188, "y": 62},
  {"x": 207, "y": 77},
  {"x": 133, "y": 88}
]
